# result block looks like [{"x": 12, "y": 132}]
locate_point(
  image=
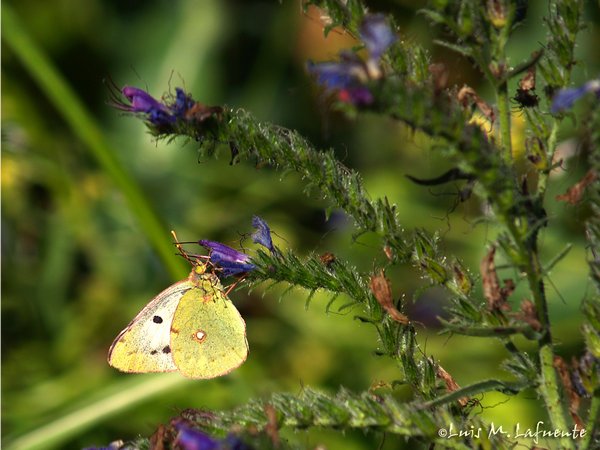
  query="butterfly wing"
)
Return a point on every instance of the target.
[
  {"x": 208, "y": 335},
  {"x": 144, "y": 345}
]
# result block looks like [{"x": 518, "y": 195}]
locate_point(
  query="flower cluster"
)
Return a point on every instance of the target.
[
  {"x": 349, "y": 75},
  {"x": 565, "y": 98},
  {"x": 162, "y": 115},
  {"x": 230, "y": 261}
]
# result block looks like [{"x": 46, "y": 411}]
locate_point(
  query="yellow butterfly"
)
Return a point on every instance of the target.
[{"x": 190, "y": 327}]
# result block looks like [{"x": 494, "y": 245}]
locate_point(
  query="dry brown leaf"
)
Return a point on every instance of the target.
[
  {"x": 563, "y": 372},
  {"x": 575, "y": 192},
  {"x": 527, "y": 83},
  {"x": 199, "y": 112},
  {"x": 389, "y": 253},
  {"x": 495, "y": 295},
  {"x": 451, "y": 385},
  {"x": 528, "y": 314},
  {"x": 157, "y": 440},
  {"x": 271, "y": 428},
  {"x": 467, "y": 96},
  {"x": 327, "y": 258},
  {"x": 382, "y": 290},
  {"x": 439, "y": 75}
]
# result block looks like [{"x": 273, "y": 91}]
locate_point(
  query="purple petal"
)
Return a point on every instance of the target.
[
  {"x": 565, "y": 98},
  {"x": 231, "y": 270},
  {"x": 262, "y": 235},
  {"x": 224, "y": 252},
  {"x": 335, "y": 75},
  {"x": 232, "y": 442},
  {"x": 191, "y": 439},
  {"x": 228, "y": 259},
  {"x": 158, "y": 117},
  {"x": 376, "y": 34},
  {"x": 141, "y": 101},
  {"x": 183, "y": 102}
]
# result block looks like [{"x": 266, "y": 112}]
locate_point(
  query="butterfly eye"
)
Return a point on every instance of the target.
[{"x": 200, "y": 336}]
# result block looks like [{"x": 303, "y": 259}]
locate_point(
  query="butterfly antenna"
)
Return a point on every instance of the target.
[
  {"x": 192, "y": 258},
  {"x": 182, "y": 252}
]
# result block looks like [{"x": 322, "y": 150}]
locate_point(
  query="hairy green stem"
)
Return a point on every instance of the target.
[
  {"x": 527, "y": 245},
  {"x": 549, "y": 382},
  {"x": 479, "y": 388},
  {"x": 549, "y": 387},
  {"x": 550, "y": 149},
  {"x": 593, "y": 422},
  {"x": 504, "y": 117}
]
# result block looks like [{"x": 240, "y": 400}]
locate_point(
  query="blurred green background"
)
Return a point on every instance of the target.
[{"x": 77, "y": 264}]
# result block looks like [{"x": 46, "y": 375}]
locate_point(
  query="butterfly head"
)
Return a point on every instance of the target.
[{"x": 200, "y": 267}]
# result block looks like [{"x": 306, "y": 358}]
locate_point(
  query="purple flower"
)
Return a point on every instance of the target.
[
  {"x": 142, "y": 102},
  {"x": 192, "y": 439},
  {"x": 338, "y": 75},
  {"x": 565, "y": 98},
  {"x": 349, "y": 75},
  {"x": 262, "y": 235},
  {"x": 377, "y": 35},
  {"x": 163, "y": 115},
  {"x": 228, "y": 259},
  {"x": 345, "y": 77}
]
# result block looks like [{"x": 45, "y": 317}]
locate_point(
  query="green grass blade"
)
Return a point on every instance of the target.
[
  {"x": 84, "y": 127},
  {"x": 115, "y": 399}
]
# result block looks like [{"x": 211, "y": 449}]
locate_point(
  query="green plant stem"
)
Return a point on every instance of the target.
[
  {"x": 529, "y": 257},
  {"x": 592, "y": 423},
  {"x": 549, "y": 387},
  {"x": 509, "y": 388},
  {"x": 549, "y": 382},
  {"x": 504, "y": 117},
  {"x": 84, "y": 127},
  {"x": 551, "y": 148}
]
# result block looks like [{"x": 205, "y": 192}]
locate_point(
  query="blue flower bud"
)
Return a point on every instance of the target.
[
  {"x": 565, "y": 98},
  {"x": 377, "y": 35},
  {"x": 262, "y": 235}
]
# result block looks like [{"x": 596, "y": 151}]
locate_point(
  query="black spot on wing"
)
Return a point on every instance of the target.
[
  {"x": 157, "y": 319},
  {"x": 166, "y": 349}
]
